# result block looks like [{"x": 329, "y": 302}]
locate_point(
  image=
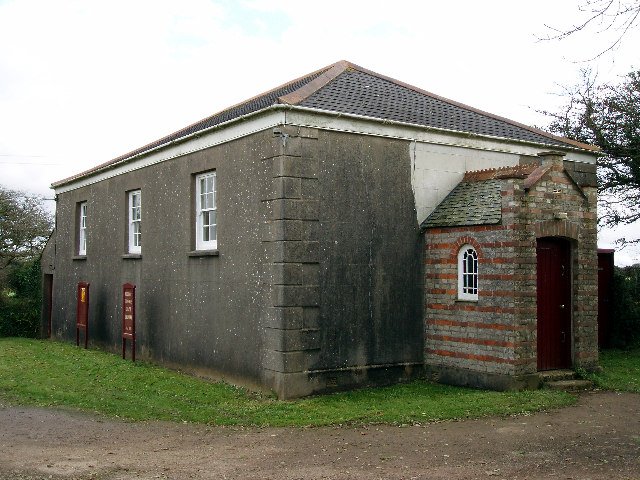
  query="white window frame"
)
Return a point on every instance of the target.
[
  {"x": 468, "y": 269},
  {"x": 135, "y": 221},
  {"x": 206, "y": 208},
  {"x": 82, "y": 228}
]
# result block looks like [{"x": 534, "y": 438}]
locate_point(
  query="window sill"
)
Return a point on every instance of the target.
[
  {"x": 131, "y": 256},
  {"x": 79, "y": 257},
  {"x": 204, "y": 253},
  {"x": 467, "y": 300}
]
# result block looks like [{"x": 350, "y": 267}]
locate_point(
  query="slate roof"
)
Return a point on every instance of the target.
[
  {"x": 476, "y": 200},
  {"x": 362, "y": 93},
  {"x": 350, "y": 89},
  {"x": 469, "y": 203}
]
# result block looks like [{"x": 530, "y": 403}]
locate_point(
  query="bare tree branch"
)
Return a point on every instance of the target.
[
  {"x": 608, "y": 116},
  {"x": 616, "y": 15}
]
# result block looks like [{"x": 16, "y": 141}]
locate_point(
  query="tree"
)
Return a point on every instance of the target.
[
  {"x": 618, "y": 16},
  {"x": 25, "y": 226},
  {"x": 608, "y": 116}
]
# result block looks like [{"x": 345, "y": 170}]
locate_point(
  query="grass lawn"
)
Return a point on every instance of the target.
[
  {"x": 620, "y": 371},
  {"x": 48, "y": 373}
]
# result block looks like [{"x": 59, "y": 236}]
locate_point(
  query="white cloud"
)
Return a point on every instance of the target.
[{"x": 82, "y": 82}]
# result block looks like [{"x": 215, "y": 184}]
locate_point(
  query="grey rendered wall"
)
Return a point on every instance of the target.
[
  {"x": 347, "y": 252},
  {"x": 370, "y": 252},
  {"x": 200, "y": 312},
  {"x": 318, "y": 280}
]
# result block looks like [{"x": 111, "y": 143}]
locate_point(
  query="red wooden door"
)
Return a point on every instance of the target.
[{"x": 554, "y": 303}]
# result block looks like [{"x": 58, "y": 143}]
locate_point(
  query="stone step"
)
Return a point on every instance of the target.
[
  {"x": 574, "y": 385},
  {"x": 556, "y": 375}
]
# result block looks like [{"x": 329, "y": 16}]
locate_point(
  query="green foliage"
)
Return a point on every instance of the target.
[
  {"x": 25, "y": 226},
  {"x": 20, "y": 300},
  {"x": 625, "y": 315},
  {"x": 25, "y": 279},
  {"x": 19, "y": 317},
  {"x": 47, "y": 373},
  {"x": 620, "y": 371}
]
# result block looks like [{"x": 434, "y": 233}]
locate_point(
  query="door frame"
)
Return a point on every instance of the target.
[{"x": 554, "y": 313}]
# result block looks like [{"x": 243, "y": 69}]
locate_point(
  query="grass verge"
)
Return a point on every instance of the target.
[
  {"x": 47, "y": 373},
  {"x": 620, "y": 371}
]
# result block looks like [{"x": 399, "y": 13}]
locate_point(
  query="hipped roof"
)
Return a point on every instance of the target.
[{"x": 346, "y": 88}]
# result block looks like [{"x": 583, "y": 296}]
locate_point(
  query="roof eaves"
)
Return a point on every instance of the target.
[
  {"x": 137, "y": 154},
  {"x": 458, "y": 133},
  {"x": 141, "y": 151}
]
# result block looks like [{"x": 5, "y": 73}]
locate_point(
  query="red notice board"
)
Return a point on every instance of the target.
[
  {"x": 129, "y": 318},
  {"x": 82, "y": 312}
]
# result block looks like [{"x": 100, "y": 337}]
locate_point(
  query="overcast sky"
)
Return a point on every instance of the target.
[{"x": 82, "y": 82}]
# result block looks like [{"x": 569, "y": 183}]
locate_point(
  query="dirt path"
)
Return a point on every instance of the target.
[{"x": 597, "y": 439}]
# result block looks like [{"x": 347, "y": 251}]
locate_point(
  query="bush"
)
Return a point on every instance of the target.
[
  {"x": 625, "y": 320},
  {"x": 24, "y": 279},
  {"x": 19, "y": 317},
  {"x": 20, "y": 301}
]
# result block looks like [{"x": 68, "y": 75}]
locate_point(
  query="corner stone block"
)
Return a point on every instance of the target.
[
  {"x": 294, "y": 296},
  {"x": 295, "y": 252},
  {"x": 293, "y": 146},
  {"x": 292, "y": 209},
  {"x": 284, "y": 230},
  {"x": 287, "y": 273},
  {"x": 284, "y": 318},
  {"x": 286, "y": 361},
  {"x": 286, "y": 187},
  {"x": 291, "y": 385},
  {"x": 288, "y": 166},
  {"x": 291, "y": 340},
  {"x": 305, "y": 252}
]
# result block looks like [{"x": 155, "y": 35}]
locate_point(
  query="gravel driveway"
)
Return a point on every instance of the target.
[{"x": 599, "y": 438}]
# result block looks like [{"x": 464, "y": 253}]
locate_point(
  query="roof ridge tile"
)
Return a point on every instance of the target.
[
  {"x": 331, "y": 72},
  {"x": 510, "y": 171}
]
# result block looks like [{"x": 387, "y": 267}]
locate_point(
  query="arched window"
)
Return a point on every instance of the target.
[{"x": 467, "y": 273}]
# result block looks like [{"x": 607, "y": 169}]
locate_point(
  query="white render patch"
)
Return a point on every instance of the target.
[{"x": 437, "y": 169}]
